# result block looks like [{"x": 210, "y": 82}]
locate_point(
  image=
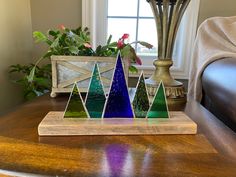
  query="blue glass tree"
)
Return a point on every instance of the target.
[
  {"x": 95, "y": 98},
  {"x": 118, "y": 102}
]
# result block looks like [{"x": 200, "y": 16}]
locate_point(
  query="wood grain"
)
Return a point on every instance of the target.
[{"x": 54, "y": 125}]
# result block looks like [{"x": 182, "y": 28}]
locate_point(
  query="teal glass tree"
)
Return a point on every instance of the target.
[
  {"x": 95, "y": 98},
  {"x": 141, "y": 101},
  {"x": 118, "y": 102},
  {"x": 159, "y": 107},
  {"x": 75, "y": 107}
]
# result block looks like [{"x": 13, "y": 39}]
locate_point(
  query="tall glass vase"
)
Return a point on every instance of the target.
[{"x": 168, "y": 15}]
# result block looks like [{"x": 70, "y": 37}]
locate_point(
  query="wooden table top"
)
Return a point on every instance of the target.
[{"x": 212, "y": 152}]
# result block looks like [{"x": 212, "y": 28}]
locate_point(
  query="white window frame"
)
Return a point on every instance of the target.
[{"x": 94, "y": 16}]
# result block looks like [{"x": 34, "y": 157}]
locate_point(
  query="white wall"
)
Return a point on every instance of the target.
[
  {"x": 15, "y": 47},
  {"x": 211, "y": 8},
  {"x": 18, "y": 19},
  {"x": 49, "y": 14}
]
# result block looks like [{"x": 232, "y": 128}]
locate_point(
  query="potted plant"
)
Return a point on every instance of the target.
[{"x": 72, "y": 60}]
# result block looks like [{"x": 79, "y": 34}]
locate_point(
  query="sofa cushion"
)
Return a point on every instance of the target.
[{"x": 219, "y": 88}]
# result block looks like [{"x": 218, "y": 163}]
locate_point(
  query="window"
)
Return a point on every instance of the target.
[
  {"x": 135, "y": 17},
  {"x": 135, "y": 20}
]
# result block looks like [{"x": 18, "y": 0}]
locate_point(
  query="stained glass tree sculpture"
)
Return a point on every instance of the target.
[
  {"x": 159, "y": 107},
  {"x": 75, "y": 107},
  {"x": 118, "y": 102},
  {"x": 95, "y": 98},
  {"x": 141, "y": 100}
]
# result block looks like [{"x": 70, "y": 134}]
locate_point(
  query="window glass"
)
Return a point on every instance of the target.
[
  {"x": 122, "y": 7},
  {"x": 147, "y": 32},
  {"x": 135, "y": 18},
  {"x": 145, "y": 9},
  {"x": 118, "y": 26}
]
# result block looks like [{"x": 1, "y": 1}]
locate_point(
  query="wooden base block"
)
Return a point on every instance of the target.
[{"x": 54, "y": 125}]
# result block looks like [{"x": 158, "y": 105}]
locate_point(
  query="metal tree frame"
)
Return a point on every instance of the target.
[{"x": 168, "y": 15}]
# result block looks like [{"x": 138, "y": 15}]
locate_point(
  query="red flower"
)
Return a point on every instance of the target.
[
  {"x": 87, "y": 45},
  {"x": 125, "y": 36},
  {"x": 138, "y": 61},
  {"x": 120, "y": 43},
  {"x": 62, "y": 27}
]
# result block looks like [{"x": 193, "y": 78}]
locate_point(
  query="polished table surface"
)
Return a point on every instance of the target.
[{"x": 212, "y": 152}]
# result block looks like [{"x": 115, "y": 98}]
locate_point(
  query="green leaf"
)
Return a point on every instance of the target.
[
  {"x": 145, "y": 44},
  {"x": 109, "y": 40},
  {"x": 46, "y": 68},
  {"x": 132, "y": 55},
  {"x": 49, "y": 42},
  {"x": 86, "y": 29},
  {"x": 126, "y": 51},
  {"x": 30, "y": 77},
  {"x": 73, "y": 50},
  {"x": 53, "y": 33},
  {"x": 98, "y": 49},
  {"x": 113, "y": 44},
  {"x": 30, "y": 95},
  {"x": 42, "y": 81},
  {"x": 88, "y": 34},
  {"x": 39, "y": 36},
  {"x": 133, "y": 69},
  {"x": 55, "y": 42},
  {"x": 48, "y": 54},
  {"x": 79, "y": 40}
]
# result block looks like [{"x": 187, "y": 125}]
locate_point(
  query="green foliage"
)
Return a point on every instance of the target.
[
  {"x": 36, "y": 80},
  {"x": 36, "y": 86},
  {"x": 65, "y": 42},
  {"x": 76, "y": 42},
  {"x": 133, "y": 69}
]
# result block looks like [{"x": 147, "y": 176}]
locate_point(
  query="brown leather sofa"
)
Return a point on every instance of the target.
[{"x": 219, "y": 90}]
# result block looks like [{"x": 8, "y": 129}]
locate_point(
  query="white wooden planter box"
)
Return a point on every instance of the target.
[{"x": 66, "y": 70}]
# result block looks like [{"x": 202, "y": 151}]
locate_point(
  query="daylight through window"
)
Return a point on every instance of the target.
[{"x": 135, "y": 18}]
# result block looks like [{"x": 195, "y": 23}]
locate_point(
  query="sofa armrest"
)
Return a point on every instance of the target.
[{"x": 219, "y": 90}]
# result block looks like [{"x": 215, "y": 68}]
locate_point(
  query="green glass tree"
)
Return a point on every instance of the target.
[
  {"x": 75, "y": 107},
  {"x": 96, "y": 98},
  {"x": 159, "y": 107},
  {"x": 141, "y": 101}
]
